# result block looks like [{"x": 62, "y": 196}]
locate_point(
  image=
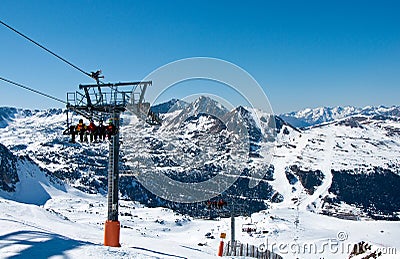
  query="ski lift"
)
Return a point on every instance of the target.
[
  {"x": 218, "y": 204},
  {"x": 249, "y": 228}
]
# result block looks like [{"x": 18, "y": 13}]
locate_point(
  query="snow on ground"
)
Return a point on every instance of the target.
[
  {"x": 45, "y": 218},
  {"x": 336, "y": 147},
  {"x": 325, "y": 164},
  {"x": 70, "y": 225},
  {"x": 318, "y": 236},
  {"x": 63, "y": 222}
]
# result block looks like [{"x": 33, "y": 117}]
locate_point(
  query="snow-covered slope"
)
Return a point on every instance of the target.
[
  {"x": 22, "y": 180},
  {"x": 42, "y": 217},
  {"x": 70, "y": 225}
]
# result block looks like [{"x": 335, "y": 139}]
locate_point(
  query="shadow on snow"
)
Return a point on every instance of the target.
[{"x": 37, "y": 244}]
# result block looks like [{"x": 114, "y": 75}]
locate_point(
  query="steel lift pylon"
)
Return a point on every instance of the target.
[{"x": 99, "y": 101}]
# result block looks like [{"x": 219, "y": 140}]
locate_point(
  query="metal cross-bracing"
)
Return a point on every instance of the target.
[
  {"x": 98, "y": 100},
  {"x": 113, "y": 173}
]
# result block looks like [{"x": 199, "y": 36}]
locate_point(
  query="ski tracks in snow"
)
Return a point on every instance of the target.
[{"x": 325, "y": 165}]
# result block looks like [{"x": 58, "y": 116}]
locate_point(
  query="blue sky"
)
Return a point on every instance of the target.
[{"x": 303, "y": 53}]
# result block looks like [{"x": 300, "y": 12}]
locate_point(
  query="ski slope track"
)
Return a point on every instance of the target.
[{"x": 331, "y": 184}]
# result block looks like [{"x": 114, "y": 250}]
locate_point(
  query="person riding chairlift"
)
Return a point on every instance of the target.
[
  {"x": 81, "y": 129},
  {"x": 101, "y": 131},
  {"x": 92, "y": 129},
  {"x": 70, "y": 131},
  {"x": 111, "y": 129}
]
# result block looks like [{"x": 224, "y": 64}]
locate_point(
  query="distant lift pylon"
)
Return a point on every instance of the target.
[{"x": 109, "y": 100}]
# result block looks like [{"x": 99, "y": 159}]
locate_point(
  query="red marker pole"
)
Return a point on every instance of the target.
[
  {"x": 221, "y": 248},
  {"x": 221, "y": 244}
]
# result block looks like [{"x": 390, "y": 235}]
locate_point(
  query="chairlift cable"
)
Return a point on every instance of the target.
[
  {"x": 33, "y": 90},
  {"x": 93, "y": 75},
  {"x": 46, "y": 49},
  {"x": 56, "y": 55}
]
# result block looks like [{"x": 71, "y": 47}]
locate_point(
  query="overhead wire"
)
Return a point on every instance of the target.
[
  {"x": 32, "y": 90},
  {"x": 46, "y": 49},
  {"x": 54, "y": 54}
]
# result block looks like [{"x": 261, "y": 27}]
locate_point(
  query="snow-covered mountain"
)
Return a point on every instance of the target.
[
  {"x": 22, "y": 180},
  {"x": 195, "y": 144},
  {"x": 346, "y": 168},
  {"x": 364, "y": 144},
  {"x": 170, "y": 106},
  {"x": 310, "y": 117}
]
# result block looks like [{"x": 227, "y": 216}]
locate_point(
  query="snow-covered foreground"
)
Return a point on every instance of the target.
[
  {"x": 48, "y": 219},
  {"x": 70, "y": 225}
]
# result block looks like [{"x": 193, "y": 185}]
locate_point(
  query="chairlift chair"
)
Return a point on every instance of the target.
[{"x": 249, "y": 227}]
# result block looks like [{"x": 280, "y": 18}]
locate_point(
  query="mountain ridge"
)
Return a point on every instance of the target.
[{"x": 311, "y": 117}]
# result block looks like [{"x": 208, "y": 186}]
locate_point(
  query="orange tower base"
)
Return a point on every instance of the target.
[{"x": 111, "y": 233}]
